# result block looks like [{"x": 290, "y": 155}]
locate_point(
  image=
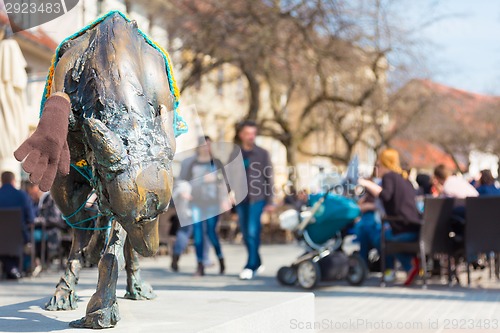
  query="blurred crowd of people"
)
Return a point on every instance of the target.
[
  {"x": 41, "y": 221},
  {"x": 394, "y": 203},
  {"x": 202, "y": 193},
  {"x": 400, "y": 198}
]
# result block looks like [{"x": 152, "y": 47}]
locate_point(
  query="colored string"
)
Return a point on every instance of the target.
[
  {"x": 83, "y": 169},
  {"x": 180, "y": 125}
]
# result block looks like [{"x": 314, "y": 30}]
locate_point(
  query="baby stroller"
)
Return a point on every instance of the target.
[{"x": 320, "y": 228}]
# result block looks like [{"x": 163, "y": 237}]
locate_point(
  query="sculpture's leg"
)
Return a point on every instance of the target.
[
  {"x": 102, "y": 310},
  {"x": 92, "y": 251},
  {"x": 136, "y": 288},
  {"x": 69, "y": 192}
]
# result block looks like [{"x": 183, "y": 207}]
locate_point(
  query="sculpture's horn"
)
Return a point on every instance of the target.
[{"x": 106, "y": 145}]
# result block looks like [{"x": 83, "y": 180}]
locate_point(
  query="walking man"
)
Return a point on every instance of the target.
[{"x": 259, "y": 173}]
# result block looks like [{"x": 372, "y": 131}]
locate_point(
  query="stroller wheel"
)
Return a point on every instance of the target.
[
  {"x": 357, "y": 270},
  {"x": 287, "y": 276},
  {"x": 308, "y": 274}
]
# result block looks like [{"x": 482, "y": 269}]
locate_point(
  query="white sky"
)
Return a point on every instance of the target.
[{"x": 466, "y": 46}]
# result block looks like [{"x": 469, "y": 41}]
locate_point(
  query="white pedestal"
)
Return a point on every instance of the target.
[{"x": 177, "y": 312}]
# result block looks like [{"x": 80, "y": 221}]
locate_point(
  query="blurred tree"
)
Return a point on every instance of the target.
[
  {"x": 457, "y": 121},
  {"x": 328, "y": 78},
  {"x": 323, "y": 64},
  {"x": 218, "y": 32}
]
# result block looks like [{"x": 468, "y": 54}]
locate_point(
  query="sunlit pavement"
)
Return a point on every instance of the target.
[{"x": 338, "y": 306}]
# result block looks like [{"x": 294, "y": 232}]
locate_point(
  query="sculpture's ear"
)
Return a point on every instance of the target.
[
  {"x": 67, "y": 58},
  {"x": 57, "y": 87}
]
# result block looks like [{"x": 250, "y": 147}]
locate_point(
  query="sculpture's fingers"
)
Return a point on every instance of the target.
[
  {"x": 64, "y": 160},
  {"x": 41, "y": 166},
  {"x": 48, "y": 177},
  {"x": 31, "y": 161},
  {"x": 23, "y": 151}
]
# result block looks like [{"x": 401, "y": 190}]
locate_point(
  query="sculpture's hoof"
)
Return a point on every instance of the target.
[
  {"x": 102, "y": 318},
  {"x": 62, "y": 300},
  {"x": 140, "y": 292}
]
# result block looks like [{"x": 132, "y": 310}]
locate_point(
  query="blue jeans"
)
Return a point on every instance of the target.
[
  {"x": 403, "y": 258},
  {"x": 249, "y": 219},
  {"x": 367, "y": 232},
  {"x": 206, "y": 227},
  {"x": 182, "y": 239}
]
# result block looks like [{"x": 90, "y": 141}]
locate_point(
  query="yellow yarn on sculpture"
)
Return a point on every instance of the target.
[
  {"x": 50, "y": 76},
  {"x": 168, "y": 62}
]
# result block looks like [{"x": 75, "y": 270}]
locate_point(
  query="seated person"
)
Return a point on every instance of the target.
[
  {"x": 425, "y": 186},
  {"x": 295, "y": 199},
  {"x": 10, "y": 197},
  {"x": 486, "y": 184},
  {"x": 367, "y": 229},
  {"x": 398, "y": 198},
  {"x": 451, "y": 186},
  {"x": 49, "y": 215}
]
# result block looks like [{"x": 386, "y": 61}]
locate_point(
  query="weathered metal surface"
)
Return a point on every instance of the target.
[{"x": 121, "y": 125}]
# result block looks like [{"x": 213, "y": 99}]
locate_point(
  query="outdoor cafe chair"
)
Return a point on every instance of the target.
[
  {"x": 435, "y": 232},
  {"x": 482, "y": 228}
]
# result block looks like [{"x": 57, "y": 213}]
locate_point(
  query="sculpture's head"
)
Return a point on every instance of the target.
[{"x": 123, "y": 106}]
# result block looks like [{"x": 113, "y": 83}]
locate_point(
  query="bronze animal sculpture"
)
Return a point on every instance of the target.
[{"x": 110, "y": 114}]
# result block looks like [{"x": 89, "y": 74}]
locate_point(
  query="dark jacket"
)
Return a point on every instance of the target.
[
  {"x": 488, "y": 190},
  {"x": 183, "y": 175},
  {"x": 10, "y": 197},
  {"x": 259, "y": 174},
  {"x": 398, "y": 197}
]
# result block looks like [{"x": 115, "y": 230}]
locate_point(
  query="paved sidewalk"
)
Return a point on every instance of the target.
[{"x": 338, "y": 307}]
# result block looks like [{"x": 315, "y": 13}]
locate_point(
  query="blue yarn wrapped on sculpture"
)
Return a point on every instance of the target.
[{"x": 180, "y": 125}]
